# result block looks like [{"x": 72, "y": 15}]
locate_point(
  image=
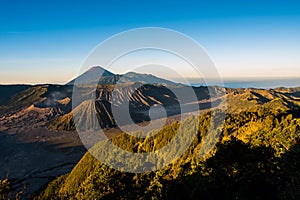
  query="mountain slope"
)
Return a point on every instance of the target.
[
  {"x": 35, "y": 106},
  {"x": 249, "y": 99},
  {"x": 141, "y": 97},
  {"x": 145, "y": 96},
  {"x": 7, "y": 91},
  {"x": 251, "y": 161}
]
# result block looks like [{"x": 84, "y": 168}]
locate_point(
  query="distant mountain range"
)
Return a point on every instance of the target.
[
  {"x": 102, "y": 76},
  {"x": 23, "y": 106}
]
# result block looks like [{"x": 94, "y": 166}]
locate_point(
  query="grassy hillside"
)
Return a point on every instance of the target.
[{"x": 257, "y": 157}]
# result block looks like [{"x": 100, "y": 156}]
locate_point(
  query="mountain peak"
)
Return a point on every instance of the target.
[
  {"x": 92, "y": 75},
  {"x": 99, "y": 70}
]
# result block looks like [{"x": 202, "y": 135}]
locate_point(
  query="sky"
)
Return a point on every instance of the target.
[{"x": 47, "y": 41}]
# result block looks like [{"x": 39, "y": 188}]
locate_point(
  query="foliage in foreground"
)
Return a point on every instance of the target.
[
  {"x": 257, "y": 157},
  {"x": 4, "y": 188}
]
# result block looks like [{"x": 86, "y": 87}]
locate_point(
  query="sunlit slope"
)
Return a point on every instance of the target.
[{"x": 253, "y": 153}]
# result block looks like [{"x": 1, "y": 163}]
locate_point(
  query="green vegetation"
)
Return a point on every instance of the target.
[
  {"x": 4, "y": 188},
  {"x": 257, "y": 157}
]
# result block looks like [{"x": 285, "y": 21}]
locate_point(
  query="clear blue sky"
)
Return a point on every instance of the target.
[{"x": 46, "y": 41}]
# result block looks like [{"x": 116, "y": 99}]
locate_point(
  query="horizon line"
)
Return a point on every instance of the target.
[{"x": 241, "y": 79}]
